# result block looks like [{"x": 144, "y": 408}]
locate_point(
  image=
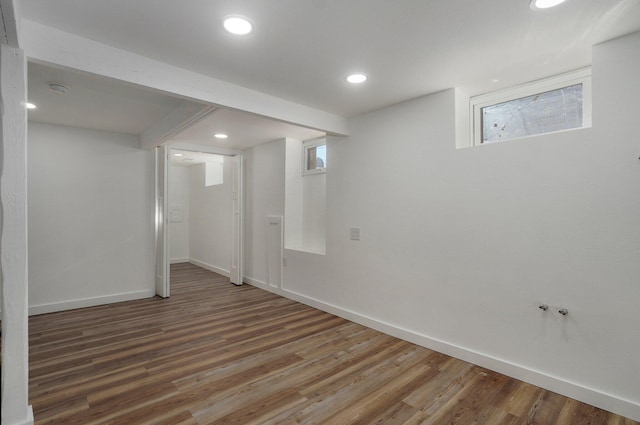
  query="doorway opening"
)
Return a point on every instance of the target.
[{"x": 199, "y": 218}]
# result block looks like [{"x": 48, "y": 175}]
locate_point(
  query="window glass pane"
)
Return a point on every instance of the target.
[
  {"x": 311, "y": 158},
  {"x": 321, "y": 156},
  {"x": 554, "y": 110},
  {"x": 316, "y": 157}
]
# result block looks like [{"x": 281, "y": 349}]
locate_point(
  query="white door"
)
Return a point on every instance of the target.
[
  {"x": 162, "y": 242},
  {"x": 237, "y": 224}
]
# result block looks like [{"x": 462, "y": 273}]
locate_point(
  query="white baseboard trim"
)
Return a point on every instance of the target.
[
  {"x": 210, "y": 267},
  {"x": 594, "y": 397},
  {"x": 89, "y": 302},
  {"x": 260, "y": 284},
  {"x": 178, "y": 260}
]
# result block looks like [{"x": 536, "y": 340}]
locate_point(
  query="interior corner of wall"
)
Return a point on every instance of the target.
[{"x": 462, "y": 118}]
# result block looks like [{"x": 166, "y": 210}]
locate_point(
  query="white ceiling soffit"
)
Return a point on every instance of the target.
[
  {"x": 184, "y": 158},
  {"x": 243, "y": 130},
  {"x": 301, "y": 51},
  {"x": 100, "y": 103},
  {"x": 95, "y": 102}
]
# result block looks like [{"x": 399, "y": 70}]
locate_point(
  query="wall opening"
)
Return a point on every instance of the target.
[{"x": 305, "y": 197}]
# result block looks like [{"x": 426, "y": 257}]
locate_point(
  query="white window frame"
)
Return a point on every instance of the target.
[
  {"x": 582, "y": 76},
  {"x": 305, "y": 157}
]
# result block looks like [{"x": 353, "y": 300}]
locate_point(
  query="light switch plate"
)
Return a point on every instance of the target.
[{"x": 355, "y": 233}]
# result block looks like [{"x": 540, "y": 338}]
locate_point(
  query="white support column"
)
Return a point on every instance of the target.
[{"x": 13, "y": 251}]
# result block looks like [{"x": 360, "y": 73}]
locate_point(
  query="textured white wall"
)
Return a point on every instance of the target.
[
  {"x": 14, "y": 274},
  {"x": 179, "y": 198},
  {"x": 90, "y": 218},
  {"x": 210, "y": 219},
  {"x": 460, "y": 246}
]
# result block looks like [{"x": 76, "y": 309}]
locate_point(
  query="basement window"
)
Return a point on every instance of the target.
[
  {"x": 213, "y": 173},
  {"x": 551, "y": 105},
  {"x": 315, "y": 157}
]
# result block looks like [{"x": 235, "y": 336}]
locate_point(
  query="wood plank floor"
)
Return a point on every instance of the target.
[{"x": 218, "y": 354}]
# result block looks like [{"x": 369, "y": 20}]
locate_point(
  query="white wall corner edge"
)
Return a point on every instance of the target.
[
  {"x": 210, "y": 267},
  {"x": 89, "y": 302},
  {"x": 602, "y": 400},
  {"x": 29, "y": 420}
]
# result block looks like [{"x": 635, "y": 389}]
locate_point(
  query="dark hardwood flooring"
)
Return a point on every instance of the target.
[{"x": 215, "y": 353}]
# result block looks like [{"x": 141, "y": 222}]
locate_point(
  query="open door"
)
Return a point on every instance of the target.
[
  {"x": 236, "y": 273},
  {"x": 162, "y": 242}
]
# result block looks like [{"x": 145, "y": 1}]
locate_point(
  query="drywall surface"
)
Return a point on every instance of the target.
[
  {"x": 14, "y": 280},
  {"x": 264, "y": 196},
  {"x": 314, "y": 207},
  {"x": 178, "y": 214},
  {"x": 294, "y": 194},
  {"x": 210, "y": 219},
  {"x": 459, "y": 247},
  {"x": 305, "y": 203},
  {"x": 90, "y": 219}
]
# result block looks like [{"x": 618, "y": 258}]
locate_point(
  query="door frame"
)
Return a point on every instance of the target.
[
  {"x": 236, "y": 271},
  {"x": 161, "y": 269},
  {"x": 162, "y": 262}
]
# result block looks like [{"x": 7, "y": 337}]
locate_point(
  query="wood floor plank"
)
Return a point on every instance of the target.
[{"x": 216, "y": 353}]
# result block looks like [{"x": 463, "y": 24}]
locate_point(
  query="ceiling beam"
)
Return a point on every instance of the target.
[
  {"x": 181, "y": 118},
  {"x": 52, "y": 46}
]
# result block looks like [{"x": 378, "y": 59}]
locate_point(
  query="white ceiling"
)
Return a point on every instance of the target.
[
  {"x": 183, "y": 158},
  {"x": 244, "y": 130},
  {"x": 301, "y": 50},
  {"x": 94, "y": 102},
  {"x": 101, "y": 103}
]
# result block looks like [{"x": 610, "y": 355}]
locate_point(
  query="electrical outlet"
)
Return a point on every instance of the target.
[{"x": 355, "y": 233}]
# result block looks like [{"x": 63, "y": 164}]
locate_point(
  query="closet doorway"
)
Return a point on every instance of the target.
[{"x": 198, "y": 213}]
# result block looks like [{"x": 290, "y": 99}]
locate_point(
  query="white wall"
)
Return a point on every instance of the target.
[
  {"x": 90, "y": 218},
  {"x": 460, "y": 246},
  {"x": 305, "y": 203},
  {"x": 14, "y": 280},
  {"x": 314, "y": 208},
  {"x": 264, "y": 196},
  {"x": 294, "y": 194},
  {"x": 210, "y": 220},
  {"x": 179, "y": 214}
]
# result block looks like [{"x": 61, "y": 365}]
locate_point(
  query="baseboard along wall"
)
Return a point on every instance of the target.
[
  {"x": 89, "y": 302},
  {"x": 573, "y": 390}
]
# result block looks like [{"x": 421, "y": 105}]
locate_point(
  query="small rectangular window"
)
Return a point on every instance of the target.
[
  {"x": 315, "y": 157},
  {"x": 213, "y": 173},
  {"x": 554, "y": 104}
]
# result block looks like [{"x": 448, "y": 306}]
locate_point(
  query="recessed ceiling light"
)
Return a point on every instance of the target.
[
  {"x": 178, "y": 154},
  {"x": 238, "y": 25},
  {"x": 31, "y": 106},
  {"x": 357, "y": 78},
  {"x": 220, "y": 136},
  {"x": 545, "y": 4}
]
